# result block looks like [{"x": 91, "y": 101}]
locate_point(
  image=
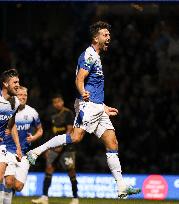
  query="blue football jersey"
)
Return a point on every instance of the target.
[
  {"x": 26, "y": 120},
  {"x": 94, "y": 83},
  {"x": 6, "y": 112}
]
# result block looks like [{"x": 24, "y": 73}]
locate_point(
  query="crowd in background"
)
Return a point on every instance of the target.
[{"x": 141, "y": 79}]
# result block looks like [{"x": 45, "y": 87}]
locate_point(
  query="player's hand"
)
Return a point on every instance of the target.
[
  {"x": 1, "y": 139},
  {"x": 18, "y": 154},
  {"x": 111, "y": 111},
  {"x": 86, "y": 95},
  {"x": 7, "y": 132},
  {"x": 29, "y": 138}
]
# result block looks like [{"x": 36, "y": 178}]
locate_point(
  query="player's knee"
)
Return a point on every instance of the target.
[
  {"x": 115, "y": 143},
  {"x": 112, "y": 145},
  {"x": 9, "y": 183},
  {"x": 76, "y": 138},
  {"x": 18, "y": 187},
  {"x": 77, "y": 135}
]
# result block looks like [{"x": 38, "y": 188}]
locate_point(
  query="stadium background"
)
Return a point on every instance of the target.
[{"x": 43, "y": 42}]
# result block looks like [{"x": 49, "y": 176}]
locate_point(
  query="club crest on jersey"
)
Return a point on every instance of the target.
[
  {"x": 25, "y": 117},
  {"x": 89, "y": 60}
]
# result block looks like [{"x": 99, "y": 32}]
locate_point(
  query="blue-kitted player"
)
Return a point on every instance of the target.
[
  {"x": 29, "y": 130},
  {"x": 92, "y": 115},
  {"x": 8, "y": 107}
]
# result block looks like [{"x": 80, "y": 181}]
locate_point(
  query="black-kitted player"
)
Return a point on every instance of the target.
[{"x": 61, "y": 122}]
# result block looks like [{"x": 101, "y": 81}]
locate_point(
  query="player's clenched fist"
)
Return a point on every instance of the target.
[{"x": 86, "y": 95}]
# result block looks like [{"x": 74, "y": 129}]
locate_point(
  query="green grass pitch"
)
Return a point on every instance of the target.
[{"x": 27, "y": 200}]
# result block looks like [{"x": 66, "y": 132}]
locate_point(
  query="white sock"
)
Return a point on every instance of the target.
[
  {"x": 115, "y": 167},
  {"x": 7, "y": 197},
  {"x": 1, "y": 196},
  {"x": 1, "y": 192},
  {"x": 54, "y": 142}
]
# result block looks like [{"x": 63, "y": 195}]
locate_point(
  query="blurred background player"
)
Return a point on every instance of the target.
[
  {"x": 92, "y": 115},
  {"x": 61, "y": 122},
  {"x": 29, "y": 130},
  {"x": 8, "y": 107}
]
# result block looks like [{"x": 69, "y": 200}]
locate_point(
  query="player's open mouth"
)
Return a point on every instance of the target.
[{"x": 106, "y": 44}]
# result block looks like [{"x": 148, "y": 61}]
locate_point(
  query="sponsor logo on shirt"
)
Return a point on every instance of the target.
[
  {"x": 5, "y": 117},
  {"x": 23, "y": 127}
]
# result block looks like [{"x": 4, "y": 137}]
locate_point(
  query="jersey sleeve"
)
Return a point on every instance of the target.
[
  {"x": 36, "y": 119},
  {"x": 86, "y": 61}
]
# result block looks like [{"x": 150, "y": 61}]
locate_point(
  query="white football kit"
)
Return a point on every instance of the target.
[
  {"x": 26, "y": 119},
  {"x": 6, "y": 112}
]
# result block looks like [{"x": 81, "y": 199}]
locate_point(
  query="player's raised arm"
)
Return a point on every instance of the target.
[
  {"x": 13, "y": 129},
  {"x": 80, "y": 79}
]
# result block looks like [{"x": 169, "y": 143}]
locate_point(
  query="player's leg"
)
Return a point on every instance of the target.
[
  {"x": 9, "y": 179},
  {"x": 50, "y": 156},
  {"x": 15, "y": 176},
  {"x": 84, "y": 111},
  {"x": 106, "y": 132},
  {"x": 8, "y": 194},
  {"x": 10, "y": 170},
  {"x": 68, "y": 163},
  {"x": 7, "y": 166},
  {"x": 65, "y": 139},
  {"x": 111, "y": 144},
  {"x": 1, "y": 193},
  {"x": 3, "y": 166},
  {"x": 21, "y": 172},
  {"x": 3, "y": 162}
]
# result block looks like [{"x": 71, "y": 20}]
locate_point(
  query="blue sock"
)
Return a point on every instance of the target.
[
  {"x": 112, "y": 151},
  {"x": 68, "y": 139},
  {"x": 1, "y": 187}
]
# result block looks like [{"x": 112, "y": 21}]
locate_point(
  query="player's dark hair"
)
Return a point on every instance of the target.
[
  {"x": 57, "y": 95},
  {"x": 8, "y": 74},
  {"x": 94, "y": 28}
]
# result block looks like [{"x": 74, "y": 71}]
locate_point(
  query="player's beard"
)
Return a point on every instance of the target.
[
  {"x": 12, "y": 91},
  {"x": 104, "y": 46}
]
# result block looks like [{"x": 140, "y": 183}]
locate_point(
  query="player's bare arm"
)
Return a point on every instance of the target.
[
  {"x": 13, "y": 129},
  {"x": 36, "y": 136},
  {"x": 69, "y": 129},
  {"x": 110, "y": 111},
  {"x": 80, "y": 78}
]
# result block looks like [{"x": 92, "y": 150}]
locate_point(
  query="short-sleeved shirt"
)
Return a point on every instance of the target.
[
  {"x": 60, "y": 120},
  {"x": 26, "y": 120},
  {"x": 7, "y": 110},
  {"x": 94, "y": 83}
]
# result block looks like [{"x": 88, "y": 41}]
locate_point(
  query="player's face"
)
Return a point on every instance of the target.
[
  {"x": 22, "y": 96},
  {"x": 103, "y": 39},
  {"x": 58, "y": 103},
  {"x": 12, "y": 86}
]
